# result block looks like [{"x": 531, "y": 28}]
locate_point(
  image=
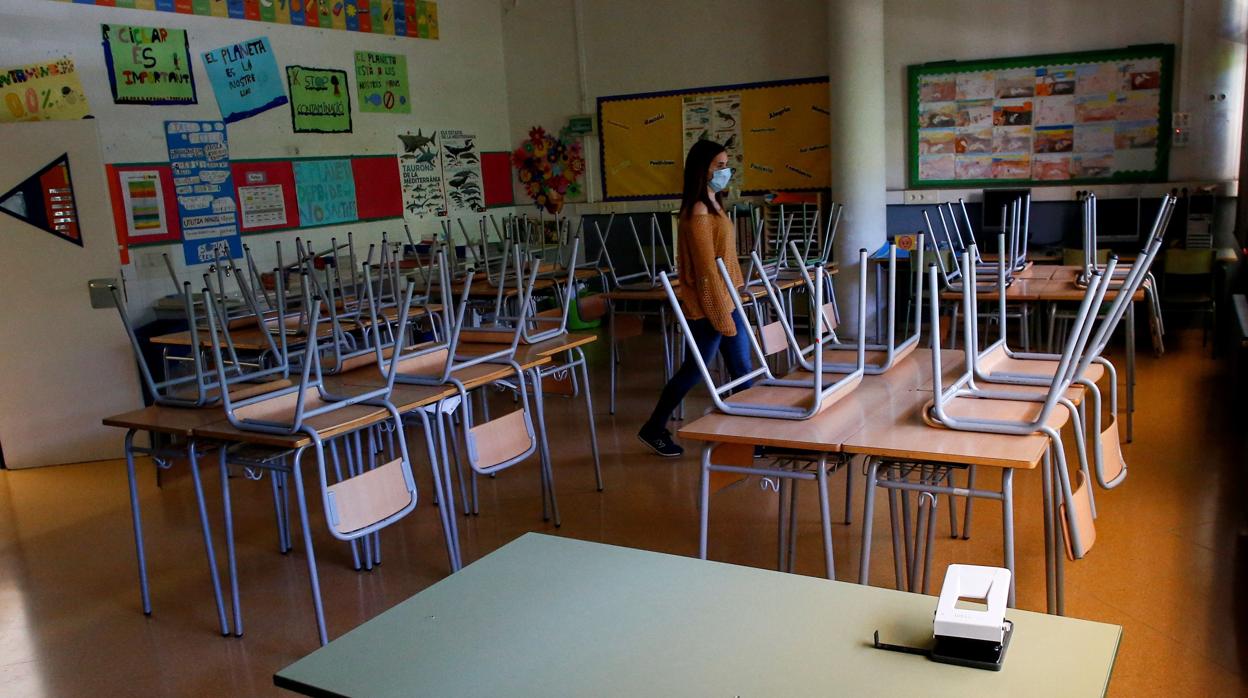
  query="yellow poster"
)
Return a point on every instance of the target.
[
  {"x": 47, "y": 91},
  {"x": 777, "y": 136},
  {"x": 642, "y": 146}
]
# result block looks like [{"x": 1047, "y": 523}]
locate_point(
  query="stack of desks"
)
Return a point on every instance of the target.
[
  {"x": 199, "y": 430},
  {"x": 882, "y": 420}
]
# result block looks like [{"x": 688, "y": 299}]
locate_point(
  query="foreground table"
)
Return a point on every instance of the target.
[{"x": 559, "y": 617}]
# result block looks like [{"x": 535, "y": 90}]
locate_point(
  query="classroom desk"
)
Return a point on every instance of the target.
[
  {"x": 560, "y": 617},
  {"x": 881, "y": 419},
  {"x": 179, "y": 422}
]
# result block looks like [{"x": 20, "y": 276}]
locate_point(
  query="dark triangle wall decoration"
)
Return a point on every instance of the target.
[{"x": 45, "y": 200}]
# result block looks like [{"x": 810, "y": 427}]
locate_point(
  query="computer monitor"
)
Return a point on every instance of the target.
[{"x": 994, "y": 201}]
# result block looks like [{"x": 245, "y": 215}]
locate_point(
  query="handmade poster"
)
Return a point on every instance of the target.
[
  {"x": 46, "y": 91},
  {"x": 262, "y": 206},
  {"x": 143, "y": 199},
  {"x": 420, "y": 175},
  {"x": 148, "y": 65},
  {"x": 381, "y": 79},
  {"x": 325, "y": 190},
  {"x": 320, "y": 100},
  {"x": 410, "y": 18},
  {"x": 199, "y": 155},
  {"x": 461, "y": 172},
  {"x": 1088, "y": 116},
  {"x": 245, "y": 79}
]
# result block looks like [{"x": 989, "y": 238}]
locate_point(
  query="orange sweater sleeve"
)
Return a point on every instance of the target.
[{"x": 711, "y": 294}]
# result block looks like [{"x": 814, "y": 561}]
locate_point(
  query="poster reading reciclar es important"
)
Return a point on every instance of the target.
[{"x": 199, "y": 155}]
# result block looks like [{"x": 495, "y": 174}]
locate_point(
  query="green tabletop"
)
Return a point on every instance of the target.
[{"x": 547, "y": 616}]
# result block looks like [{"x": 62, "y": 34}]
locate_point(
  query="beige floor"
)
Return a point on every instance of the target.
[{"x": 1168, "y": 560}]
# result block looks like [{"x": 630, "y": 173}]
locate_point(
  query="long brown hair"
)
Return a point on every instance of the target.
[{"x": 697, "y": 165}]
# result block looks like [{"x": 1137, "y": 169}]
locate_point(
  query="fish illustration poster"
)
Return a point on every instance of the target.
[
  {"x": 461, "y": 172},
  {"x": 420, "y": 174}
]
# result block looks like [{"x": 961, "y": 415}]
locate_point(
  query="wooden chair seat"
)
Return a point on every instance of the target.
[
  {"x": 996, "y": 362},
  {"x": 368, "y": 498},
  {"x": 874, "y": 357},
  {"x": 1113, "y": 463},
  {"x": 999, "y": 410},
  {"x": 500, "y": 440},
  {"x": 784, "y": 396},
  {"x": 281, "y": 410}
]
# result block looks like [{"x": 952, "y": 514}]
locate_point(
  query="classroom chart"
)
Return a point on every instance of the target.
[
  {"x": 1086, "y": 117},
  {"x": 776, "y": 135},
  {"x": 199, "y": 155}
]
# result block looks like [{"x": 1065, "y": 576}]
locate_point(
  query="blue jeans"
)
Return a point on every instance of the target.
[{"x": 736, "y": 353}]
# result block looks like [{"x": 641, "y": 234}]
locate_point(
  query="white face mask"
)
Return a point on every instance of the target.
[{"x": 720, "y": 179}]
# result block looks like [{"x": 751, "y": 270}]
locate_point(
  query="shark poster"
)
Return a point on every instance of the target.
[
  {"x": 420, "y": 174},
  {"x": 461, "y": 172}
]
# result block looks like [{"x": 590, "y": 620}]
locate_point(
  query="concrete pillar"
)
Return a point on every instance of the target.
[{"x": 856, "y": 100}]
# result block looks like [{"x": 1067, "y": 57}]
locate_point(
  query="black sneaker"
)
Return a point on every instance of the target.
[{"x": 661, "y": 443}]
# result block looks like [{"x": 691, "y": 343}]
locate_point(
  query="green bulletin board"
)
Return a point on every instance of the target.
[{"x": 1095, "y": 116}]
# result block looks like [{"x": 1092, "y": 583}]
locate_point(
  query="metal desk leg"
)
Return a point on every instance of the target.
[
  {"x": 193, "y": 459},
  {"x": 439, "y": 495},
  {"x": 879, "y": 294},
  {"x": 230, "y": 555},
  {"x": 868, "y": 516},
  {"x": 825, "y": 516},
  {"x": 302, "y": 502},
  {"x": 1046, "y": 491},
  {"x": 544, "y": 445},
  {"x": 136, "y": 520},
  {"x": 447, "y": 495},
  {"x": 704, "y": 498},
  {"x": 578, "y": 356},
  {"x": 1007, "y": 525},
  {"x": 1130, "y": 371},
  {"x": 611, "y": 342}
]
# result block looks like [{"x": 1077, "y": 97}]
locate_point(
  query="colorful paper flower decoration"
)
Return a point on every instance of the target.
[{"x": 549, "y": 168}]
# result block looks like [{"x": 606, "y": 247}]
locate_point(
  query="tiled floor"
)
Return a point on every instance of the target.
[{"x": 1169, "y": 559}]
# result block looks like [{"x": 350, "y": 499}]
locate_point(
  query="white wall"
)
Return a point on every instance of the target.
[
  {"x": 457, "y": 81},
  {"x": 642, "y": 47}
]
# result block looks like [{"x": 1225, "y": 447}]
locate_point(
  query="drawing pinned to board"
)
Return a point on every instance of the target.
[
  {"x": 326, "y": 192},
  {"x": 47, "y": 91},
  {"x": 320, "y": 101},
  {"x": 245, "y": 79},
  {"x": 199, "y": 155},
  {"x": 716, "y": 118},
  {"x": 143, "y": 200},
  {"x": 148, "y": 65},
  {"x": 461, "y": 171},
  {"x": 381, "y": 79},
  {"x": 420, "y": 174}
]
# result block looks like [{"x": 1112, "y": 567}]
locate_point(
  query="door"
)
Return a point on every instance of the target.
[{"x": 64, "y": 366}]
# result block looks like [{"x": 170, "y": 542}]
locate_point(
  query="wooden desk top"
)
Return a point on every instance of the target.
[
  {"x": 882, "y": 417},
  {"x": 573, "y": 618},
  {"x": 181, "y": 421},
  {"x": 245, "y": 339},
  {"x": 527, "y": 353},
  {"x": 328, "y": 425},
  {"x": 829, "y": 429}
]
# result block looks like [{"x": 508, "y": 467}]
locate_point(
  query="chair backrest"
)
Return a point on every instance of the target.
[{"x": 286, "y": 410}]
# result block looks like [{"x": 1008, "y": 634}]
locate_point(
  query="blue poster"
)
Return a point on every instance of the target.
[
  {"x": 199, "y": 156},
  {"x": 245, "y": 78},
  {"x": 326, "y": 192}
]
